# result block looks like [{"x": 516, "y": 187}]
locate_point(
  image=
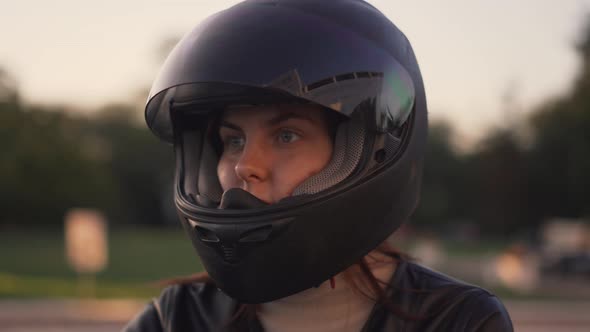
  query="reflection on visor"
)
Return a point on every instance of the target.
[
  {"x": 393, "y": 92},
  {"x": 344, "y": 92}
]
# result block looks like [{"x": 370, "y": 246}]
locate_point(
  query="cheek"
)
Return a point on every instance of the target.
[
  {"x": 294, "y": 171},
  {"x": 226, "y": 173}
]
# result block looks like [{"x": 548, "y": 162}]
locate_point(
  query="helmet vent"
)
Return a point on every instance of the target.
[
  {"x": 229, "y": 253},
  {"x": 206, "y": 235},
  {"x": 321, "y": 83},
  {"x": 345, "y": 77},
  {"x": 257, "y": 234}
]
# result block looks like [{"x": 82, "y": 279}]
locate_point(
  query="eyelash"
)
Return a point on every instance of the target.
[
  {"x": 229, "y": 140},
  {"x": 287, "y": 131}
]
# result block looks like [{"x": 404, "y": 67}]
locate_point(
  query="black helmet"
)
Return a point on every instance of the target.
[{"x": 343, "y": 55}]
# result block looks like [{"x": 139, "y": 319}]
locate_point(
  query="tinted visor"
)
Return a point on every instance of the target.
[{"x": 286, "y": 51}]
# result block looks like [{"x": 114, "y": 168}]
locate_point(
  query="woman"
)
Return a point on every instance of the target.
[{"x": 299, "y": 129}]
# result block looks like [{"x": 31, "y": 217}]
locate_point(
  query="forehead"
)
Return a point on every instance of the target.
[{"x": 257, "y": 113}]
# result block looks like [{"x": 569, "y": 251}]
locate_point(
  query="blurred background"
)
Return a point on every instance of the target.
[{"x": 88, "y": 225}]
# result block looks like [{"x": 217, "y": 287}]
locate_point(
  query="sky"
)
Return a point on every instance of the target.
[{"x": 484, "y": 63}]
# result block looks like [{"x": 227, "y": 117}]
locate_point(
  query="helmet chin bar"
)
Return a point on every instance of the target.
[
  {"x": 234, "y": 242},
  {"x": 259, "y": 256},
  {"x": 236, "y": 198}
]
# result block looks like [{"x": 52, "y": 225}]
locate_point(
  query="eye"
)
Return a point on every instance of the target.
[
  {"x": 287, "y": 136},
  {"x": 234, "y": 143}
]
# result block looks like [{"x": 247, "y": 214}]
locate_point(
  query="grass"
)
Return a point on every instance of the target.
[{"x": 33, "y": 264}]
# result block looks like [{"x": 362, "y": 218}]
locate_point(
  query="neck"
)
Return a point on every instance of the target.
[{"x": 345, "y": 307}]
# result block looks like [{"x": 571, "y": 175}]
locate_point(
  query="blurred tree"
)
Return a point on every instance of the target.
[
  {"x": 559, "y": 156},
  {"x": 53, "y": 161},
  {"x": 499, "y": 199},
  {"x": 504, "y": 185},
  {"x": 8, "y": 88},
  {"x": 443, "y": 185},
  {"x": 140, "y": 164},
  {"x": 42, "y": 171}
]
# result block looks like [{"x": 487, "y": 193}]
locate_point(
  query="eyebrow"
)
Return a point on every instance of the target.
[
  {"x": 280, "y": 118},
  {"x": 229, "y": 125}
]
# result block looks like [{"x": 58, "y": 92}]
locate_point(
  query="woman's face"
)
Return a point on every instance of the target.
[{"x": 269, "y": 150}]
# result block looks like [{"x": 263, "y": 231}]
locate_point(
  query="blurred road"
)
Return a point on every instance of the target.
[
  {"x": 541, "y": 316},
  {"x": 111, "y": 315},
  {"x": 66, "y": 315}
]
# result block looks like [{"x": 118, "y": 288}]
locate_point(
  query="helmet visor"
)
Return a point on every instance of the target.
[{"x": 283, "y": 50}]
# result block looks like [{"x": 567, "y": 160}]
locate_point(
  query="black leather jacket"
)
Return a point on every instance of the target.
[{"x": 442, "y": 304}]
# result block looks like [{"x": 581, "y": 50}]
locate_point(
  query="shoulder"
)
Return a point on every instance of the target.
[
  {"x": 187, "y": 307},
  {"x": 146, "y": 321},
  {"x": 445, "y": 303}
]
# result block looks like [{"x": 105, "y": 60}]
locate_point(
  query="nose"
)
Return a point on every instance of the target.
[{"x": 253, "y": 165}]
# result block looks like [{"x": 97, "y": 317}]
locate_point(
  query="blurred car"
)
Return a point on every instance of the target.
[{"x": 570, "y": 265}]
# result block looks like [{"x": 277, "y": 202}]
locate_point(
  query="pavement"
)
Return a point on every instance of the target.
[
  {"x": 112, "y": 315},
  {"x": 67, "y": 315}
]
